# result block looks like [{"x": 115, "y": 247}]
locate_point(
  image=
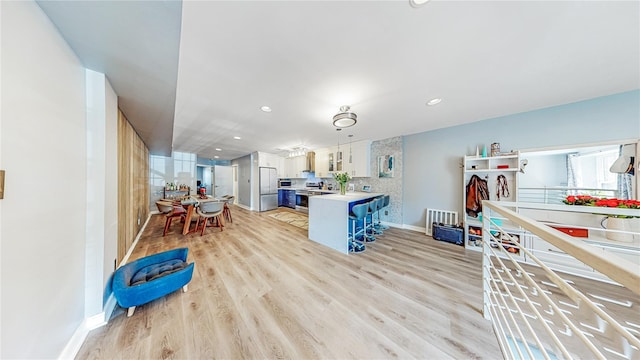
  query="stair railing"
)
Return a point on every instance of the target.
[{"x": 538, "y": 312}]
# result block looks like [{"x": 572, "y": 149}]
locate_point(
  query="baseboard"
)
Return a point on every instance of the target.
[
  {"x": 95, "y": 321},
  {"x": 404, "y": 226},
  {"x": 109, "y": 306},
  {"x": 77, "y": 339},
  {"x": 135, "y": 242},
  {"x": 393, "y": 225},
  {"x": 75, "y": 343},
  {"x": 243, "y": 207},
  {"x": 420, "y": 229}
]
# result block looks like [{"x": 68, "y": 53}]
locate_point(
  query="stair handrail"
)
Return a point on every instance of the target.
[{"x": 616, "y": 268}]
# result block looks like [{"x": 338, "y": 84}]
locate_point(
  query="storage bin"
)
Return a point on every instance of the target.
[{"x": 449, "y": 233}]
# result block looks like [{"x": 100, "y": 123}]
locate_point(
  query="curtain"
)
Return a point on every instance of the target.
[
  {"x": 574, "y": 179},
  {"x": 625, "y": 187}
]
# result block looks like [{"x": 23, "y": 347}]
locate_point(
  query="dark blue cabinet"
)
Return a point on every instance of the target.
[
  {"x": 291, "y": 199},
  {"x": 281, "y": 197},
  {"x": 287, "y": 198}
]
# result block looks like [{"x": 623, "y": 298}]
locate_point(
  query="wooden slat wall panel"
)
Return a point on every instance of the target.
[{"x": 133, "y": 180}]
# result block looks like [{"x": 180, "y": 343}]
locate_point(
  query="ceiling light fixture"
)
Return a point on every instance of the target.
[
  {"x": 216, "y": 157},
  {"x": 344, "y": 118},
  {"x": 218, "y": 149},
  {"x": 417, "y": 3},
  {"x": 435, "y": 101},
  {"x": 298, "y": 151},
  {"x": 265, "y": 108},
  {"x": 237, "y": 137}
]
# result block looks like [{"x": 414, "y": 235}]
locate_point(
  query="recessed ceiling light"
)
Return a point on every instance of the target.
[
  {"x": 237, "y": 137},
  {"x": 265, "y": 108},
  {"x": 216, "y": 157},
  {"x": 218, "y": 149},
  {"x": 435, "y": 101}
]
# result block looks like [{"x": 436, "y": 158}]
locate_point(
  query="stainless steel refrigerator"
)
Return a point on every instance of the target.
[{"x": 268, "y": 188}]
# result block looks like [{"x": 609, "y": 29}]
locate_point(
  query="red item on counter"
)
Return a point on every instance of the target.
[{"x": 575, "y": 232}]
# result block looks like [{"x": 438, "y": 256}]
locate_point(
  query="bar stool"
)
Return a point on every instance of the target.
[
  {"x": 358, "y": 213},
  {"x": 369, "y": 229},
  {"x": 385, "y": 204},
  {"x": 378, "y": 201}
]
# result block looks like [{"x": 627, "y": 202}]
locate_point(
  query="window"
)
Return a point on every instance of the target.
[{"x": 591, "y": 170}]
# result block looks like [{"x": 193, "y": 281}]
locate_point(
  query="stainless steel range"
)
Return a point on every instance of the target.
[
  {"x": 303, "y": 195},
  {"x": 302, "y": 200}
]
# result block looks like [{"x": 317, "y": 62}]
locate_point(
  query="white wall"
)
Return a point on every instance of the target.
[
  {"x": 255, "y": 182},
  {"x": 111, "y": 184},
  {"x": 245, "y": 169},
  {"x": 96, "y": 146},
  {"x": 432, "y": 172},
  {"x": 43, "y": 151},
  {"x": 102, "y": 190}
]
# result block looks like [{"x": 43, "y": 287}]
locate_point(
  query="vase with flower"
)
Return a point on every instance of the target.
[
  {"x": 623, "y": 226},
  {"x": 342, "y": 179}
]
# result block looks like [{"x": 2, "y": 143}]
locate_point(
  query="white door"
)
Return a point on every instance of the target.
[
  {"x": 207, "y": 179},
  {"x": 235, "y": 182},
  {"x": 223, "y": 182}
]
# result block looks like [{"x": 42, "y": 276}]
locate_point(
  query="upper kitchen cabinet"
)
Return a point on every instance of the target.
[
  {"x": 354, "y": 159},
  {"x": 322, "y": 163},
  {"x": 357, "y": 159},
  {"x": 294, "y": 167},
  {"x": 272, "y": 160}
]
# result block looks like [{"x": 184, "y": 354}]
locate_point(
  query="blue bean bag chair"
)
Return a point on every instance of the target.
[{"x": 151, "y": 277}]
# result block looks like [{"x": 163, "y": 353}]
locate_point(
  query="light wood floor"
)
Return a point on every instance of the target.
[{"x": 261, "y": 289}]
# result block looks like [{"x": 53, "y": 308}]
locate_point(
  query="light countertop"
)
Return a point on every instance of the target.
[{"x": 348, "y": 197}]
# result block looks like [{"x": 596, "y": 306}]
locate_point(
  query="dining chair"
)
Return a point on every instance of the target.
[
  {"x": 210, "y": 210},
  {"x": 164, "y": 207},
  {"x": 170, "y": 212},
  {"x": 228, "y": 199}
]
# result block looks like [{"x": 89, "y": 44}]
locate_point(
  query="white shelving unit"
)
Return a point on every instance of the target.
[{"x": 501, "y": 175}]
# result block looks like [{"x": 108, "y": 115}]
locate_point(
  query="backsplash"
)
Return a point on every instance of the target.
[{"x": 391, "y": 186}]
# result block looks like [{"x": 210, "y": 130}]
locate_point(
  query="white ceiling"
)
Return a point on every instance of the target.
[{"x": 386, "y": 59}]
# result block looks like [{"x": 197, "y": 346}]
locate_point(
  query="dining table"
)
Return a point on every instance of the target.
[{"x": 190, "y": 203}]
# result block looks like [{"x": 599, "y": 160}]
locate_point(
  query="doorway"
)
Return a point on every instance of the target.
[
  {"x": 223, "y": 181},
  {"x": 204, "y": 177},
  {"x": 235, "y": 183}
]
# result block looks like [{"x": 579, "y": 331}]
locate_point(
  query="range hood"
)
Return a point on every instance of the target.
[{"x": 310, "y": 162}]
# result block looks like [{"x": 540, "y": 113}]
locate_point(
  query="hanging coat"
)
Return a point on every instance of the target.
[{"x": 477, "y": 190}]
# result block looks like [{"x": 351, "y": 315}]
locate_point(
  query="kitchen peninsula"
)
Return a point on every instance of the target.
[{"x": 329, "y": 218}]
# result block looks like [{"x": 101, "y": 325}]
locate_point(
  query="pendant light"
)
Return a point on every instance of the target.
[{"x": 350, "y": 156}]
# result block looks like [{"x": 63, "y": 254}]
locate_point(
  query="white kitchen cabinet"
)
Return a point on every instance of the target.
[
  {"x": 354, "y": 159},
  {"x": 338, "y": 159},
  {"x": 322, "y": 163},
  {"x": 294, "y": 167},
  {"x": 332, "y": 161},
  {"x": 288, "y": 167},
  {"x": 357, "y": 159}
]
